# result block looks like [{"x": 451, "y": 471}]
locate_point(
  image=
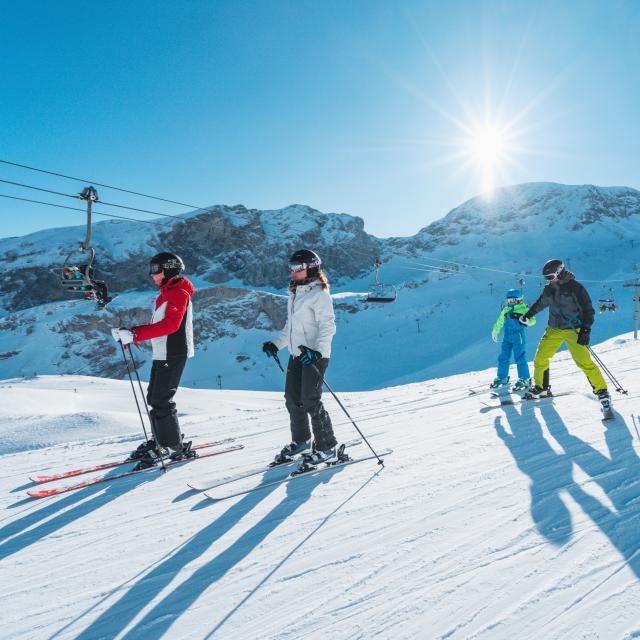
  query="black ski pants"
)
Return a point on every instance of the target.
[
  {"x": 303, "y": 393},
  {"x": 163, "y": 384}
]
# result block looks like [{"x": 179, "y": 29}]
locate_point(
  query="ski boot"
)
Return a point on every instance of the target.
[
  {"x": 292, "y": 449},
  {"x": 535, "y": 392},
  {"x": 184, "y": 453},
  {"x": 522, "y": 385},
  {"x": 151, "y": 458},
  {"x": 605, "y": 401},
  {"x": 311, "y": 460},
  {"x": 499, "y": 382},
  {"x": 142, "y": 450}
]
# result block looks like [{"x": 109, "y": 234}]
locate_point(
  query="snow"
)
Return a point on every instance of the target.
[{"x": 500, "y": 523}]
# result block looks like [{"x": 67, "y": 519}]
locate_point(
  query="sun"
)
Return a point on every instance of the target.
[{"x": 487, "y": 146}]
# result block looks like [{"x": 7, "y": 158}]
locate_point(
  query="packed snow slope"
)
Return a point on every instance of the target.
[
  {"x": 451, "y": 278},
  {"x": 486, "y": 522}
]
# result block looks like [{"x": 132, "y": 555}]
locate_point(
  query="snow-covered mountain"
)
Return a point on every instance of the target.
[
  {"x": 237, "y": 258},
  {"x": 485, "y": 523}
]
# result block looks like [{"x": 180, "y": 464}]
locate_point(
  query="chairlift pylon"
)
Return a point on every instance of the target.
[
  {"x": 380, "y": 292},
  {"x": 78, "y": 278}
]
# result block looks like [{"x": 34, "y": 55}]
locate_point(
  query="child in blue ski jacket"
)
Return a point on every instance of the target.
[{"x": 513, "y": 340}]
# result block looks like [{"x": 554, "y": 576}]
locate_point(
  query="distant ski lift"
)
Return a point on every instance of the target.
[
  {"x": 380, "y": 292},
  {"x": 607, "y": 302},
  {"x": 78, "y": 278}
]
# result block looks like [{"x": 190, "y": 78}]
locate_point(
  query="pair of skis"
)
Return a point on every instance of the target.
[
  {"x": 296, "y": 475},
  {"x": 209, "y": 485},
  {"x": 45, "y": 493}
]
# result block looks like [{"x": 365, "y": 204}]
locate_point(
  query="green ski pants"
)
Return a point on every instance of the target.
[{"x": 550, "y": 342}]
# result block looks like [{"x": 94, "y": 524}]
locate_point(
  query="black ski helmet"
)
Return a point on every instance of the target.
[
  {"x": 552, "y": 269},
  {"x": 168, "y": 263},
  {"x": 306, "y": 259}
]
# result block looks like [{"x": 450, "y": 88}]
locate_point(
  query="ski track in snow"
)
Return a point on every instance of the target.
[{"x": 517, "y": 523}]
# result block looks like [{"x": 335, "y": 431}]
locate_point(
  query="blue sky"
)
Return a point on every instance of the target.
[{"x": 363, "y": 107}]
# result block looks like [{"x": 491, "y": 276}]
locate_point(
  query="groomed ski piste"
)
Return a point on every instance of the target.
[{"x": 518, "y": 521}]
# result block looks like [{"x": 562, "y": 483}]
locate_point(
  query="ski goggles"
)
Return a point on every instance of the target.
[
  {"x": 513, "y": 301},
  {"x": 556, "y": 274},
  {"x": 295, "y": 267},
  {"x": 155, "y": 267}
]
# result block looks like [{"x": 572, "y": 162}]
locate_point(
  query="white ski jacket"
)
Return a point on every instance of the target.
[{"x": 310, "y": 320}]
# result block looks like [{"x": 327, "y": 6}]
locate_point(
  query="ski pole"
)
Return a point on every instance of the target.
[
  {"x": 133, "y": 390},
  {"x": 275, "y": 357},
  {"x": 610, "y": 375},
  {"x": 353, "y": 422},
  {"x": 146, "y": 406}
]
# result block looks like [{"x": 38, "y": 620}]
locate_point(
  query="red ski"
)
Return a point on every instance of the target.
[
  {"x": 45, "y": 493},
  {"x": 109, "y": 465}
]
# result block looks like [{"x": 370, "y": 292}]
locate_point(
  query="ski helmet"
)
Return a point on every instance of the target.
[
  {"x": 514, "y": 296},
  {"x": 306, "y": 259},
  {"x": 552, "y": 269},
  {"x": 165, "y": 262}
]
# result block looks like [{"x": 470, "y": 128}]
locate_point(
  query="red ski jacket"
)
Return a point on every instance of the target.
[{"x": 171, "y": 326}]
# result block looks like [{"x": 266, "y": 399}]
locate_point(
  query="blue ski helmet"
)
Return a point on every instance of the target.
[{"x": 514, "y": 296}]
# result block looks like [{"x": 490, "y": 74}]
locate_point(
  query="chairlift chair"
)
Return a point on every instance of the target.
[
  {"x": 380, "y": 292},
  {"x": 607, "y": 303},
  {"x": 79, "y": 279}
]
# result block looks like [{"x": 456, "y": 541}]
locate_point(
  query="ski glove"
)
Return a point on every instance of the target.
[
  {"x": 523, "y": 320},
  {"x": 309, "y": 356},
  {"x": 270, "y": 349},
  {"x": 583, "y": 336},
  {"x": 494, "y": 336},
  {"x": 123, "y": 335}
]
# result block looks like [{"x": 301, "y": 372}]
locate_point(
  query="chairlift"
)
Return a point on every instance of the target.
[
  {"x": 76, "y": 276},
  {"x": 607, "y": 302},
  {"x": 380, "y": 292}
]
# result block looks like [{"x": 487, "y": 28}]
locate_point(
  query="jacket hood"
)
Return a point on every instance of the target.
[{"x": 179, "y": 282}]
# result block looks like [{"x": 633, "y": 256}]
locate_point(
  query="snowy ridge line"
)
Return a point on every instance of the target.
[
  {"x": 109, "y": 465},
  {"x": 289, "y": 478},
  {"x": 46, "y": 493},
  {"x": 203, "y": 484}
]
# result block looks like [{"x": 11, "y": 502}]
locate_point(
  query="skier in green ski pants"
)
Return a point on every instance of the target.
[{"x": 571, "y": 315}]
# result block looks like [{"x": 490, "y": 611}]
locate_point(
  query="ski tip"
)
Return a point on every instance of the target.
[{"x": 40, "y": 493}]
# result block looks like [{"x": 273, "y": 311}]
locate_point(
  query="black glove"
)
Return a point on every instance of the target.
[
  {"x": 583, "y": 336},
  {"x": 514, "y": 315},
  {"x": 270, "y": 349},
  {"x": 309, "y": 356},
  {"x": 524, "y": 319}
]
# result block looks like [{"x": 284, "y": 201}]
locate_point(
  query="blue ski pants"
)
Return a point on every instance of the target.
[{"x": 513, "y": 342}]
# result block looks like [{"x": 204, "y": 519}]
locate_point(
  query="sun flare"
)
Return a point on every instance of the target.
[{"x": 488, "y": 147}]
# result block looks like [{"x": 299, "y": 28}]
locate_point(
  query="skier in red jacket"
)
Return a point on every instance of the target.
[{"x": 171, "y": 335}]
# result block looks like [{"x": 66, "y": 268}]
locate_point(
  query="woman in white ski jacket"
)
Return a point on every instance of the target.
[{"x": 308, "y": 333}]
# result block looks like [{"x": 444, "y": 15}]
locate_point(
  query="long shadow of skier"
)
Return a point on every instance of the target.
[
  {"x": 155, "y": 623},
  {"x": 289, "y": 553},
  {"x": 617, "y": 474},
  {"x": 550, "y": 472},
  {"x": 18, "y": 534}
]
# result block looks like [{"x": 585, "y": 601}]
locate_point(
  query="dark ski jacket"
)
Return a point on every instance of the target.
[{"x": 569, "y": 304}]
